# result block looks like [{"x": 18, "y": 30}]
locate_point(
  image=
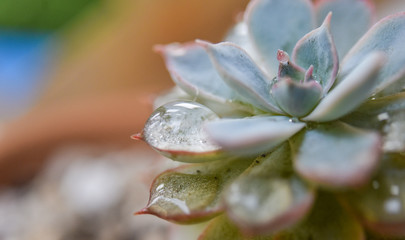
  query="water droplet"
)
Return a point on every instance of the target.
[
  {"x": 383, "y": 116},
  {"x": 178, "y": 126},
  {"x": 393, "y": 206},
  {"x": 394, "y": 190}
]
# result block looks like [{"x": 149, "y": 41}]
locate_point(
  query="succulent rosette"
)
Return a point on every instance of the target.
[{"x": 282, "y": 139}]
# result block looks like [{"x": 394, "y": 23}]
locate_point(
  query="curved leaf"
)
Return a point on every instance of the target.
[
  {"x": 318, "y": 49},
  {"x": 264, "y": 199},
  {"x": 192, "y": 70},
  {"x": 381, "y": 204},
  {"x": 175, "y": 130},
  {"x": 351, "y": 19},
  {"x": 242, "y": 74},
  {"x": 351, "y": 92},
  {"x": 221, "y": 228},
  {"x": 336, "y": 155},
  {"x": 275, "y": 25},
  {"x": 296, "y": 99},
  {"x": 192, "y": 193},
  {"x": 386, "y": 36},
  {"x": 328, "y": 220},
  {"x": 252, "y": 136}
]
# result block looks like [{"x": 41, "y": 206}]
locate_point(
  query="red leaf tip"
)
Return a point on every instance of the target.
[
  {"x": 137, "y": 136},
  {"x": 282, "y": 57},
  {"x": 142, "y": 211}
]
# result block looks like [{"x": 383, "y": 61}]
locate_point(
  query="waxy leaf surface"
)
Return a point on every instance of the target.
[
  {"x": 354, "y": 89},
  {"x": 275, "y": 25},
  {"x": 242, "y": 74},
  {"x": 192, "y": 70},
  {"x": 252, "y": 136},
  {"x": 296, "y": 99},
  {"x": 386, "y": 36},
  {"x": 336, "y": 155},
  {"x": 351, "y": 19},
  {"x": 268, "y": 198},
  {"x": 176, "y": 131},
  {"x": 318, "y": 49},
  {"x": 192, "y": 193}
]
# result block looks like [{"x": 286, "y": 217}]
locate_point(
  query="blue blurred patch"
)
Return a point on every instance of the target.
[{"x": 24, "y": 60}]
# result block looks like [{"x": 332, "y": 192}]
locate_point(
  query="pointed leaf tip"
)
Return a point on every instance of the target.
[
  {"x": 192, "y": 193},
  {"x": 345, "y": 14},
  {"x": 276, "y": 25},
  {"x": 137, "y": 136},
  {"x": 317, "y": 48}
]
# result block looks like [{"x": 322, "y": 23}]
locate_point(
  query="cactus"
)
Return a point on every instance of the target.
[{"x": 277, "y": 147}]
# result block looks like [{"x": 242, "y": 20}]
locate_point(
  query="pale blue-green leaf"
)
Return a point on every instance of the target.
[
  {"x": 275, "y": 24},
  {"x": 294, "y": 98},
  {"x": 336, "y": 154},
  {"x": 351, "y": 19},
  {"x": 176, "y": 131},
  {"x": 354, "y": 89},
  {"x": 192, "y": 193},
  {"x": 317, "y": 48},
  {"x": 387, "y": 36},
  {"x": 192, "y": 70},
  {"x": 380, "y": 205},
  {"x": 242, "y": 74},
  {"x": 265, "y": 200},
  {"x": 221, "y": 228},
  {"x": 240, "y": 36},
  {"x": 252, "y": 136},
  {"x": 328, "y": 221}
]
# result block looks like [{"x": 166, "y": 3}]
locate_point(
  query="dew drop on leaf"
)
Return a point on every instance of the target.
[{"x": 178, "y": 126}]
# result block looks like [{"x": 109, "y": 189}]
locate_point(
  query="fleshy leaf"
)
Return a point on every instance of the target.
[
  {"x": 191, "y": 68},
  {"x": 351, "y": 19},
  {"x": 386, "y": 114},
  {"x": 252, "y": 136},
  {"x": 328, "y": 220},
  {"x": 275, "y": 25},
  {"x": 336, "y": 155},
  {"x": 381, "y": 204},
  {"x": 175, "y": 130},
  {"x": 354, "y": 89},
  {"x": 294, "y": 98},
  {"x": 318, "y": 49},
  {"x": 221, "y": 228},
  {"x": 386, "y": 36},
  {"x": 192, "y": 193},
  {"x": 264, "y": 199},
  {"x": 239, "y": 34},
  {"x": 242, "y": 74}
]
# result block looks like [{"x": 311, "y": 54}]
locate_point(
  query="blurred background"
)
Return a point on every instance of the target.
[{"x": 77, "y": 79}]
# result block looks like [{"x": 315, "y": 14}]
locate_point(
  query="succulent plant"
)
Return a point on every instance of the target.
[{"x": 280, "y": 147}]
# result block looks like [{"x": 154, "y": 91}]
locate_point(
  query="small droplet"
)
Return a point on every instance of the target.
[
  {"x": 394, "y": 190},
  {"x": 383, "y": 116},
  {"x": 393, "y": 206}
]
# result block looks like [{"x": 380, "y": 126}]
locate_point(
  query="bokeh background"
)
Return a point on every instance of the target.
[{"x": 77, "y": 78}]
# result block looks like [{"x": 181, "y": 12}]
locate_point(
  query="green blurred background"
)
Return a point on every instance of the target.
[{"x": 40, "y": 15}]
